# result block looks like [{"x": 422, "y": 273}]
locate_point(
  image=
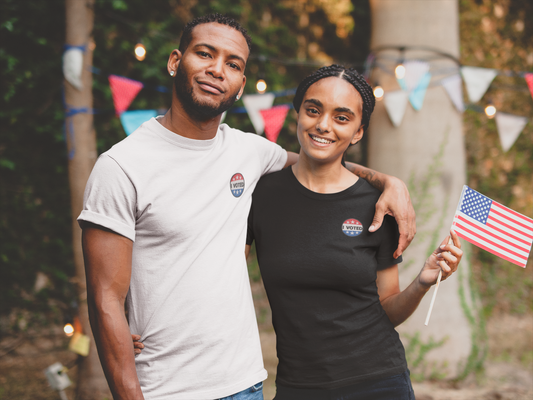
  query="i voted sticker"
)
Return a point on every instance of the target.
[
  {"x": 352, "y": 227},
  {"x": 236, "y": 185}
]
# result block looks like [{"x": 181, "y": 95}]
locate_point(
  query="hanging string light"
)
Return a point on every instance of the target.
[
  {"x": 490, "y": 110},
  {"x": 261, "y": 86},
  {"x": 399, "y": 71},
  {"x": 140, "y": 51},
  {"x": 378, "y": 92},
  {"x": 68, "y": 329}
]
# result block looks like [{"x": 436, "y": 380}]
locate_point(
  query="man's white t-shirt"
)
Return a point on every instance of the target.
[{"x": 184, "y": 203}]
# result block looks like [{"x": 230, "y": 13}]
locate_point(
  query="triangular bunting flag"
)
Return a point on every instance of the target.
[
  {"x": 416, "y": 97},
  {"x": 414, "y": 71},
  {"x": 124, "y": 90},
  {"x": 131, "y": 120},
  {"x": 454, "y": 87},
  {"x": 509, "y": 128},
  {"x": 274, "y": 119},
  {"x": 395, "y": 104},
  {"x": 529, "y": 80},
  {"x": 255, "y": 102},
  {"x": 73, "y": 66},
  {"x": 477, "y": 81}
]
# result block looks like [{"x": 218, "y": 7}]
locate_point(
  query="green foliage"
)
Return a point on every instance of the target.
[
  {"x": 503, "y": 40},
  {"x": 416, "y": 351},
  {"x": 34, "y": 197}
]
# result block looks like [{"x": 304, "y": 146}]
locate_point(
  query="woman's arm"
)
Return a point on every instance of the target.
[
  {"x": 394, "y": 200},
  {"x": 399, "y": 305}
]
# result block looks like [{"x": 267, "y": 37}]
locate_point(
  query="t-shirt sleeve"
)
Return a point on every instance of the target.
[
  {"x": 271, "y": 155},
  {"x": 389, "y": 243},
  {"x": 110, "y": 198}
]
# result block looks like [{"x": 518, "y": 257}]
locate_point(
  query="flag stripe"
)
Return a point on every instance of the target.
[
  {"x": 501, "y": 215},
  {"x": 527, "y": 220},
  {"x": 509, "y": 227},
  {"x": 460, "y": 234},
  {"x": 500, "y": 249},
  {"x": 504, "y": 232},
  {"x": 520, "y": 246}
]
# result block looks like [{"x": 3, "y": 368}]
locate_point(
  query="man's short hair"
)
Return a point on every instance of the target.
[{"x": 186, "y": 37}]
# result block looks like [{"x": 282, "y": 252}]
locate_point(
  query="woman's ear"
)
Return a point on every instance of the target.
[{"x": 358, "y": 135}]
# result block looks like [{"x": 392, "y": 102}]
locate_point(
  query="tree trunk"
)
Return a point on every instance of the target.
[
  {"x": 81, "y": 145},
  {"x": 427, "y": 150}
]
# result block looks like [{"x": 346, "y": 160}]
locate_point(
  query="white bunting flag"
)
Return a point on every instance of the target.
[
  {"x": 414, "y": 71},
  {"x": 395, "y": 104},
  {"x": 73, "y": 66},
  {"x": 454, "y": 87},
  {"x": 477, "y": 81},
  {"x": 509, "y": 128},
  {"x": 253, "y": 104}
]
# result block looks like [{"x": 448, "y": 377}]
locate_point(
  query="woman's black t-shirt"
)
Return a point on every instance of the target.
[{"x": 319, "y": 263}]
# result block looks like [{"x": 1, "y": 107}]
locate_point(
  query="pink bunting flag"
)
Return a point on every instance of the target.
[
  {"x": 124, "y": 90},
  {"x": 274, "y": 119},
  {"x": 529, "y": 80}
]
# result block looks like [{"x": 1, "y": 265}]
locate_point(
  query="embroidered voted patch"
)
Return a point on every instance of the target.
[
  {"x": 352, "y": 227},
  {"x": 236, "y": 185}
]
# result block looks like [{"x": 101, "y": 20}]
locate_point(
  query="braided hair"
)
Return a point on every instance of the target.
[{"x": 348, "y": 74}]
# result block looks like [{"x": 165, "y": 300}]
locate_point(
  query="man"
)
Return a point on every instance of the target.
[{"x": 164, "y": 226}]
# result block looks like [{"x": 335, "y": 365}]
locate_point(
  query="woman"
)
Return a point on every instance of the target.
[{"x": 333, "y": 287}]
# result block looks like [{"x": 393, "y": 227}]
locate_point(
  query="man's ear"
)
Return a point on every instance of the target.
[
  {"x": 358, "y": 135},
  {"x": 242, "y": 87},
  {"x": 173, "y": 62}
]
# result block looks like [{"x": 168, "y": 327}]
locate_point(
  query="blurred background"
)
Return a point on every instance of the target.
[{"x": 39, "y": 283}]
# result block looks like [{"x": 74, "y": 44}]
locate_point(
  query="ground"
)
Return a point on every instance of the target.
[{"x": 508, "y": 373}]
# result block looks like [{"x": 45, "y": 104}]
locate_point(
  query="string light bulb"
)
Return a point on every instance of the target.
[
  {"x": 378, "y": 92},
  {"x": 140, "y": 51},
  {"x": 261, "y": 86},
  {"x": 68, "y": 329},
  {"x": 490, "y": 110},
  {"x": 399, "y": 71}
]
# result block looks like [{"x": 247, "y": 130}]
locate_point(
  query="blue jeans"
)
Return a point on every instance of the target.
[
  {"x": 254, "y": 392},
  {"x": 397, "y": 387}
]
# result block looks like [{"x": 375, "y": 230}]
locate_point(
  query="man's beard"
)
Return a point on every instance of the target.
[{"x": 193, "y": 107}]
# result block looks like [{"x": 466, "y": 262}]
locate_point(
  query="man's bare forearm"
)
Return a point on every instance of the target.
[
  {"x": 107, "y": 258},
  {"x": 376, "y": 179},
  {"x": 113, "y": 340}
]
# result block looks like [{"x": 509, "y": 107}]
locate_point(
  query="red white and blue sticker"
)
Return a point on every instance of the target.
[
  {"x": 352, "y": 227},
  {"x": 236, "y": 185}
]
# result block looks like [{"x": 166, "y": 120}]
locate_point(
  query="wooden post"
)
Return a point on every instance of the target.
[{"x": 81, "y": 145}]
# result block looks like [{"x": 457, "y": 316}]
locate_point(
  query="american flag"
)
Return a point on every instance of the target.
[{"x": 493, "y": 227}]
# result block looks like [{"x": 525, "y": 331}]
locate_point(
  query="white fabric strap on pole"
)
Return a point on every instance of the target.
[
  {"x": 395, "y": 104},
  {"x": 73, "y": 66},
  {"x": 454, "y": 87},
  {"x": 477, "y": 81},
  {"x": 255, "y": 102},
  {"x": 509, "y": 128}
]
